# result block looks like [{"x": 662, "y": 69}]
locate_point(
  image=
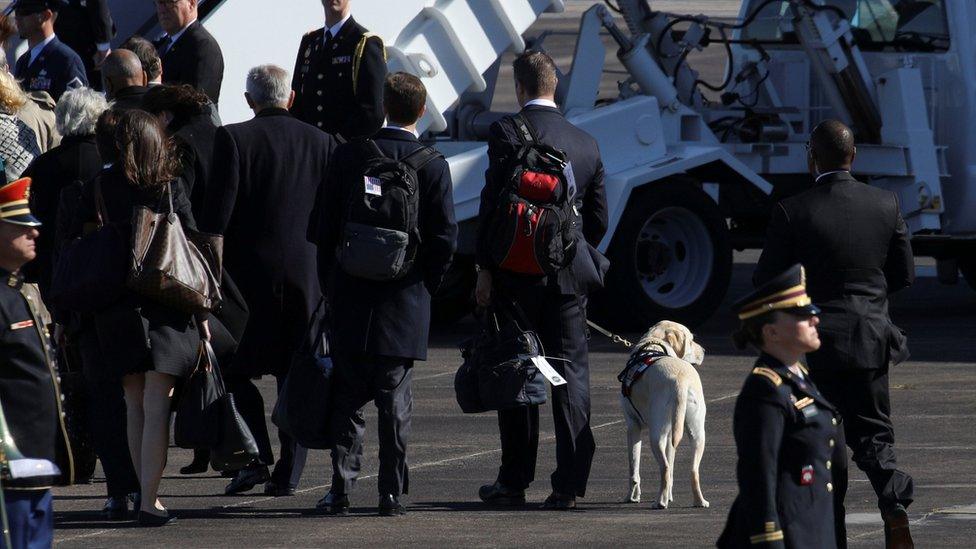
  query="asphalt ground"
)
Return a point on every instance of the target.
[{"x": 452, "y": 454}]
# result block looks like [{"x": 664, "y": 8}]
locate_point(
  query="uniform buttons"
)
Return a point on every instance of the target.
[
  {"x": 319, "y": 108},
  {"x": 321, "y": 76},
  {"x": 828, "y": 464},
  {"x": 319, "y": 124},
  {"x": 318, "y": 92},
  {"x": 340, "y": 75},
  {"x": 831, "y": 443},
  {"x": 833, "y": 420},
  {"x": 830, "y": 487},
  {"x": 29, "y": 298}
]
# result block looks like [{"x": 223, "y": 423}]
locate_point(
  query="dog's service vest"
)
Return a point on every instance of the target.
[{"x": 639, "y": 363}]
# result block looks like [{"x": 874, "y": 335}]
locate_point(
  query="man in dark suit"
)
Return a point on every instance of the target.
[
  {"x": 552, "y": 303},
  {"x": 124, "y": 80},
  {"x": 855, "y": 246},
  {"x": 339, "y": 75},
  {"x": 266, "y": 174},
  {"x": 190, "y": 54},
  {"x": 380, "y": 327},
  {"x": 49, "y": 65},
  {"x": 86, "y": 26}
]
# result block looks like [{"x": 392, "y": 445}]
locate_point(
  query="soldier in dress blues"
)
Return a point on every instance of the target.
[
  {"x": 785, "y": 431},
  {"x": 339, "y": 75},
  {"x": 49, "y": 65}
]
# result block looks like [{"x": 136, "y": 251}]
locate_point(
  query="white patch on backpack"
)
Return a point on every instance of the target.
[{"x": 373, "y": 185}]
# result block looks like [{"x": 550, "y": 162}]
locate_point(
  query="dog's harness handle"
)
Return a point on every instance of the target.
[{"x": 636, "y": 366}]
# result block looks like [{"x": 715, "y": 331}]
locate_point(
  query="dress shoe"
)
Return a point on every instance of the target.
[
  {"x": 897, "y": 534},
  {"x": 272, "y": 488},
  {"x": 136, "y": 499},
  {"x": 333, "y": 504},
  {"x": 390, "y": 506},
  {"x": 195, "y": 467},
  {"x": 230, "y": 473},
  {"x": 152, "y": 520},
  {"x": 116, "y": 508},
  {"x": 499, "y": 494},
  {"x": 559, "y": 502},
  {"x": 247, "y": 479}
]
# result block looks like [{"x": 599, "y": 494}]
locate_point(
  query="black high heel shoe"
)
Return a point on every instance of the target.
[{"x": 152, "y": 521}]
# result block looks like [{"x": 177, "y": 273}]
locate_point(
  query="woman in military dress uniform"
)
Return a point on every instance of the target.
[{"x": 785, "y": 431}]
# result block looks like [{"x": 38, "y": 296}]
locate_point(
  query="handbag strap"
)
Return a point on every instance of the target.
[{"x": 206, "y": 351}]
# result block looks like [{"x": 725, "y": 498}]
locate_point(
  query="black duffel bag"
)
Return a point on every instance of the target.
[
  {"x": 498, "y": 372},
  {"x": 304, "y": 402},
  {"x": 89, "y": 274}
]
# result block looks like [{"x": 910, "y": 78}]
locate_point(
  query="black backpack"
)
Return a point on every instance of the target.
[
  {"x": 380, "y": 236},
  {"x": 533, "y": 224}
]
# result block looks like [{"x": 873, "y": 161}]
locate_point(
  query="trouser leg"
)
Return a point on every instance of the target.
[
  {"x": 106, "y": 416},
  {"x": 250, "y": 404},
  {"x": 351, "y": 379},
  {"x": 30, "y": 516},
  {"x": 394, "y": 403},
  {"x": 291, "y": 461},
  {"x": 519, "y": 432}
]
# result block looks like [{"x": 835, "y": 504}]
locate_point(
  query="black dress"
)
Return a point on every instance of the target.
[{"x": 137, "y": 334}]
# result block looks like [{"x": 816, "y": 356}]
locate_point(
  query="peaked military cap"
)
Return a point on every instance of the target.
[
  {"x": 14, "y": 207},
  {"x": 786, "y": 292},
  {"x": 36, "y": 6}
]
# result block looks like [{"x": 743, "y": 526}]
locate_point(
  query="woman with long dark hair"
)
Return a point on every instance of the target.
[
  {"x": 149, "y": 344},
  {"x": 785, "y": 431}
]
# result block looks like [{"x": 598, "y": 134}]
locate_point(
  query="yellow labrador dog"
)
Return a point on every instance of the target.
[{"x": 665, "y": 397}]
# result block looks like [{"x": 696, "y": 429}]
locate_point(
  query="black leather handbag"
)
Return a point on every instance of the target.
[
  {"x": 304, "y": 402},
  {"x": 90, "y": 271},
  {"x": 498, "y": 372},
  {"x": 196, "y": 424}
]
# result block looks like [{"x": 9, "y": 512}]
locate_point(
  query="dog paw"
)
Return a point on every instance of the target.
[
  {"x": 702, "y": 503},
  {"x": 658, "y": 505}
]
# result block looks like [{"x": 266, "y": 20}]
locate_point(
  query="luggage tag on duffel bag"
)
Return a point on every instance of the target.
[{"x": 547, "y": 370}]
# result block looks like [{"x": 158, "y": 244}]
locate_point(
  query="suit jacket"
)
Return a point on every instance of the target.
[
  {"x": 75, "y": 160},
  {"x": 855, "y": 246},
  {"x": 82, "y": 25},
  {"x": 326, "y": 94},
  {"x": 195, "y": 134},
  {"x": 195, "y": 59},
  {"x": 551, "y": 128},
  {"x": 129, "y": 98},
  {"x": 266, "y": 174},
  {"x": 785, "y": 433},
  {"x": 386, "y": 318},
  {"x": 57, "y": 69}
]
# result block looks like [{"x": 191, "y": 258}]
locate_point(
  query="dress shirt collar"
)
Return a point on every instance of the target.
[
  {"x": 541, "y": 103},
  {"x": 175, "y": 37},
  {"x": 402, "y": 129},
  {"x": 821, "y": 176},
  {"x": 36, "y": 50},
  {"x": 334, "y": 29}
]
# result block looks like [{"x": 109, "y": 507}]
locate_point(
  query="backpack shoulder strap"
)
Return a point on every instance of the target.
[
  {"x": 525, "y": 130},
  {"x": 372, "y": 150},
  {"x": 421, "y": 157}
]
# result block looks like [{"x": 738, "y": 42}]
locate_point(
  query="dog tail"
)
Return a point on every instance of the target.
[{"x": 678, "y": 417}]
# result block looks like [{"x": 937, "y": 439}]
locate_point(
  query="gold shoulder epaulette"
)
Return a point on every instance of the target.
[{"x": 769, "y": 374}]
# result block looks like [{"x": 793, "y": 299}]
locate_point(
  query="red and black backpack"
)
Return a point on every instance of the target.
[{"x": 533, "y": 221}]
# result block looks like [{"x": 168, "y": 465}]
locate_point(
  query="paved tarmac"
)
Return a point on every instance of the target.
[{"x": 452, "y": 454}]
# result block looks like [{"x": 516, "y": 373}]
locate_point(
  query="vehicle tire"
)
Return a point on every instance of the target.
[
  {"x": 454, "y": 300},
  {"x": 670, "y": 258}
]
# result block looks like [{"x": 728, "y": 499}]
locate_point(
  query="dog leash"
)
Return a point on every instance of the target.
[{"x": 612, "y": 336}]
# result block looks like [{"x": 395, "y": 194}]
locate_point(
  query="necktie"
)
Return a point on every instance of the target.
[
  {"x": 165, "y": 44},
  {"x": 328, "y": 39}
]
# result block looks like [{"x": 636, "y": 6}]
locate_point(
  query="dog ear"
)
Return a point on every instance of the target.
[{"x": 677, "y": 343}]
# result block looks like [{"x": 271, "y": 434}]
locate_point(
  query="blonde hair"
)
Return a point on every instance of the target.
[{"x": 12, "y": 97}]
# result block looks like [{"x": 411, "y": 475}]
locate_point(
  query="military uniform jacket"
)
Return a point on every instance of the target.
[
  {"x": 785, "y": 439},
  {"x": 29, "y": 391},
  {"x": 56, "y": 70},
  {"x": 855, "y": 247},
  {"x": 339, "y": 88}
]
